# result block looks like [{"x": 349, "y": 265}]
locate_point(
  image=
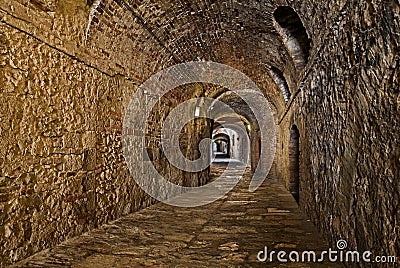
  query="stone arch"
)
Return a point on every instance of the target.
[{"x": 294, "y": 34}]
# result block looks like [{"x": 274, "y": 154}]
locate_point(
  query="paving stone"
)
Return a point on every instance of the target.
[{"x": 208, "y": 236}]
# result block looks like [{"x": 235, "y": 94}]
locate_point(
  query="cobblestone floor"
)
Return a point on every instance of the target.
[{"x": 227, "y": 233}]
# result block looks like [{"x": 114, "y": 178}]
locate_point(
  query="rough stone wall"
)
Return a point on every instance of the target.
[
  {"x": 347, "y": 114},
  {"x": 60, "y": 148},
  {"x": 194, "y": 131},
  {"x": 62, "y": 171}
]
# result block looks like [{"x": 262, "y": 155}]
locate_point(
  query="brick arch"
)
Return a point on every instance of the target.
[{"x": 291, "y": 29}]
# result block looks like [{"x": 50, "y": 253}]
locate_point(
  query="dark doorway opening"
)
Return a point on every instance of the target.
[
  {"x": 222, "y": 146},
  {"x": 294, "y": 163}
]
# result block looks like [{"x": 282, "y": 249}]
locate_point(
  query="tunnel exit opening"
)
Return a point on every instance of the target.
[{"x": 229, "y": 144}]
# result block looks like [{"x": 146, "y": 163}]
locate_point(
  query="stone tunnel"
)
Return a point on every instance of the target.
[{"x": 324, "y": 140}]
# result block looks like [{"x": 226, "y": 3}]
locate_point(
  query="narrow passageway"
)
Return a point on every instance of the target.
[{"x": 227, "y": 233}]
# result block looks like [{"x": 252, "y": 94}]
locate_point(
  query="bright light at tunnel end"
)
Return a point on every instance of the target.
[{"x": 140, "y": 107}]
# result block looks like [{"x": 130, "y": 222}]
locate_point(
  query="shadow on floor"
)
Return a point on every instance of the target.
[{"x": 230, "y": 232}]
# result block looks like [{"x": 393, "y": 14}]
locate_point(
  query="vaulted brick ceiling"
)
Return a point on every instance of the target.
[{"x": 156, "y": 34}]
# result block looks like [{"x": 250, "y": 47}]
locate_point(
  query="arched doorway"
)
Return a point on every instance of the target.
[{"x": 294, "y": 163}]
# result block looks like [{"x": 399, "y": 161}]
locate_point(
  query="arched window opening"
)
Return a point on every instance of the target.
[
  {"x": 294, "y": 35},
  {"x": 280, "y": 80},
  {"x": 294, "y": 163}
]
